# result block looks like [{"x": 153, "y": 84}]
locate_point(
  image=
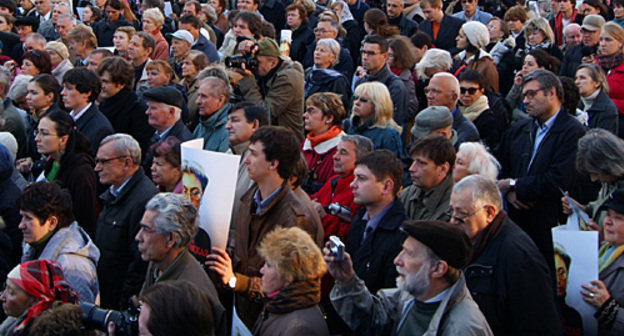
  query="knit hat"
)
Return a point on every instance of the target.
[
  {"x": 59, "y": 48},
  {"x": 268, "y": 47},
  {"x": 447, "y": 241},
  {"x": 477, "y": 34},
  {"x": 8, "y": 140},
  {"x": 431, "y": 119}
]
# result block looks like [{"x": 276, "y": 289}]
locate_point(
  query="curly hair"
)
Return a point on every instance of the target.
[
  {"x": 44, "y": 200},
  {"x": 330, "y": 104}
]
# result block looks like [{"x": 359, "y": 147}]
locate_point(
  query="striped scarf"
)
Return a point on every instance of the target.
[{"x": 608, "y": 254}]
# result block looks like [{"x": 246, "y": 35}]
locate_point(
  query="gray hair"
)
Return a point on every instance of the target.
[
  {"x": 18, "y": 88},
  {"x": 215, "y": 70},
  {"x": 38, "y": 38},
  {"x": 333, "y": 46},
  {"x": 436, "y": 59},
  {"x": 600, "y": 151},
  {"x": 571, "y": 26},
  {"x": 547, "y": 80},
  {"x": 481, "y": 162},
  {"x": 63, "y": 4},
  {"x": 5, "y": 78},
  {"x": 175, "y": 214},
  {"x": 483, "y": 191},
  {"x": 363, "y": 145},
  {"x": 155, "y": 15},
  {"x": 124, "y": 144},
  {"x": 68, "y": 16},
  {"x": 217, "y": 87}
]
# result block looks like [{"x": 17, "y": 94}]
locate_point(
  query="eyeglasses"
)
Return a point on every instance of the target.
[
  {"x": 320, "y": 30},
  {"x": 368, "y": 52},
  {"x": 103, "y": 161},
  {"x": 392, "y": 5},
  {"x": 462, "y": 217},
  {"x": 433, "y": 91},
  {"x": 43, "y": 133},
  {"x": 530, "y": 93},
  {"x": 361, "y": 99},
  {"x": 470, "y": 91}
]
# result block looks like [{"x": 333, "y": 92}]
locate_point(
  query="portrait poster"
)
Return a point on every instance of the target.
[
  {"x": 576, "y": 263},
  {"x": 208, "y": 181}
]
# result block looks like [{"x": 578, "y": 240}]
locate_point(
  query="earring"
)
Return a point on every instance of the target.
[{"x": 327, "y": 122}]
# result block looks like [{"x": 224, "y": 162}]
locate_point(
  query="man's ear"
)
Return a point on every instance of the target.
[
  {"x": 439, "y": 269},
  {"x": 274, "y": 164},
  {"x": 255, "y": 125},
  {"x": 388, "y": 185}
]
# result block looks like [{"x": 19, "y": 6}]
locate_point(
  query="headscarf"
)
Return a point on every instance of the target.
[
  {"x": 43, "y": 280},
  {"x": 345, "y": 13}
]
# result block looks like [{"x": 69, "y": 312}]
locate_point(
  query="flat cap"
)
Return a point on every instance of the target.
[
  {"x": 431, "y": 119},
  {"x": 165, "y": 94},
  {"x": 593, "y": 22},
  {"x": 268, "y": 47},
  {"x": 447, "y": 241}
]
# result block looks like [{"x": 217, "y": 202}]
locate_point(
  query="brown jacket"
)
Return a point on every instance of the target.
[
  {"x": 285, "y": 210},
  {"x": 487, "y": 68}
]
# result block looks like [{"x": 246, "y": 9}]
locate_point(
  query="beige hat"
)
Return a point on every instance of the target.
[
  {"x": 58, "y": 48},
  {"x": 593, "y": 22}
]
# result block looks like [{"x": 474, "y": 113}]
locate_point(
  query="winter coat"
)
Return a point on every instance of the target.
[
  {"x": 11, "y": 235},
  {"x": 74, "y": 250},
  {"x": 572, "y": 59},
  {"x": 337, "y": 190},
  {"x": 407, "y": 27},
  {"x": 61, "y": 68},
  {"x": 615, "y": 79},
  {"x": 104, "y": 30},
  {"x": 466, "y": 130},
  {"x": 485, "y": 66},
  {"x": 320, "y": 160},
  {"x": 302, "y": 37},
  {"x": 502, "y": 53},
  {"x": 613, "y": 278},
  {"x": 383, "y": 138},
  {"x": 212, "y": 129},
  {"x": 432, "y": 204},
  {"x": 281, "y": 93},
  {"x": 126, "y": 114},
  {"x": 602, "y": 113},
  {"x": 94, "y": 125},
  {"x": 510, "y": 281},
  {"x": 328, "y": 80},
  {"x": 121, "y": 270},
  {"x": 161, "y": 51},
  {"x": 449, "y": 28}
]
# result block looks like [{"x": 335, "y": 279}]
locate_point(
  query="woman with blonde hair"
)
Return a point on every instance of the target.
[
  {"x": 611, "y": 60},
  {"x": 372, "y": 117},
  {"x": 539, "y": 35},
  {"x": 152, "y": 22},
  {"x": 598, "y": 109},
  {"x": 291, "y": 283}
]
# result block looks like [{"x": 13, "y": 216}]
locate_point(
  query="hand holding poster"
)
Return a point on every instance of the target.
[{"x": 209, "y": 180}]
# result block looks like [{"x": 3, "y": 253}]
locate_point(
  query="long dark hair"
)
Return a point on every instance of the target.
[{"x": 64, "y": 125}]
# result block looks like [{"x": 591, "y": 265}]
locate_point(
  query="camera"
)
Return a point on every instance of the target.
[
  {"x": 336, "y": 248},
  {"x": 94, "y": 317},
  {"x": 339, "y": 211},
  {"x": 251, "y": 63}
]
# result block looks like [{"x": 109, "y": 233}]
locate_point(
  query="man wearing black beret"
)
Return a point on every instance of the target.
[
  {"x": 164, "y": 108},
  {"x": 431, "y": 297}
]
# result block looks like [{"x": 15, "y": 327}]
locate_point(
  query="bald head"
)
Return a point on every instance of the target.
[{"x": 443, "y": 90}]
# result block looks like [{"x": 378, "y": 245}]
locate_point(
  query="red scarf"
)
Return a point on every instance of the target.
[{"x": 330, "y": 134}]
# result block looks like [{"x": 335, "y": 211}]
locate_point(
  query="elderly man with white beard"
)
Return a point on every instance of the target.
[{"x": 431, "y": 298}]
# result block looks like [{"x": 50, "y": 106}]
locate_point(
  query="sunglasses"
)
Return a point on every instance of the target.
[
  {"x": 471, "y": 90},
  {"x": 361, "y": 99}
]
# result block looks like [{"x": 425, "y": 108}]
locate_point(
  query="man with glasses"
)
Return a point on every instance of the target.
[
  {"x": 507, "y": 276},
  {"x": 433, "y": 157},
  {"x": 587, "y": 49},
  {"x": 471, "y": 12},
  {"x": 394, "y": 10},
  {"x": 327, "y": 28},
  {"x": 375, "y": 68},
  {"x": 120, "y": 270},
  {"x": 537, "y": 159}
]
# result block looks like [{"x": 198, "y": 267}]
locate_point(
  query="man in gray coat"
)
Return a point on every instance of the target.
[{"x": 431, "y": 298}]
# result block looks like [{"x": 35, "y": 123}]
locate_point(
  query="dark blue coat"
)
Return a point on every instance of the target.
[
  {"x": 449, "y": 28},
  {"x": 95, "y": 126}
]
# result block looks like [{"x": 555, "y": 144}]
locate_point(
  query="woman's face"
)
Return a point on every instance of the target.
[
  {"x": 293, "y": 19},
  {"x": 337, "y": 9},
  {"x": 157, "y": 77},
  {"x": 149, "y": 25},
  {"x": 461, "y": 41},
  {"x": 28, "y": 68},
  {"x": 530, "y": 64},
  {"x": 585, "y": 83},
  {"x": 164, "y": 173},
  {"x": 189, "y": 71},
  {"x": 4, "y": 26},
  {"x": 614, "y": 227},
  {"x": 588, "y": 10},
  {"x": 391, "y": 57},
  {"x": 323, "y": 57},
  {"x": 363, "y": 107},
  {"x": 469, "y": 92},
  {"x": 241, "y": 28},
  {"x": 536, "y": 37},
  {"x": 14, "y": 300},
  {"x": 216, "y": 6},
  {"x": 47, "y": 139},
  {"x": 121, "y": 41},
  {"x": 460, "y": 169},
  {"x": 271, "y": 281},
  {"x": 87, "y": 15},
  {"x": 112, "y": 13},
  {"x": 36, "y": 98},
  {"x": 100, "y": 3},
  {"x": 608, "y": 45},
  {"x": 54, "y": 58},
  {"x": 315, "y": 121},
  {"x": 494, "y": 29}
]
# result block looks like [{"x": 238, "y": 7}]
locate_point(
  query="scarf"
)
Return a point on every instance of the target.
[
  {"x": 589, "y": 100},
  {"x": 608, "y": 62},
  {"x": 608, "y": 254},
  {"x": 545, "y": 45},
  {"x": 486, "y": 235},
  {"x": 559, "y": 24},
  {"x": 331, "y": 133},
  {"x": 44, "y": 280},
  {"x": 298, "y": 295},
  {"x": 473, "y": 111}
]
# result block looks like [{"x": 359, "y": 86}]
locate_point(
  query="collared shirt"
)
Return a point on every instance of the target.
[
  {"x": 263, "y": 203},
  {"x": 43, "y": 18},
  {"x": 116, "y": 192},
  {"x": 372, "y": 223},
  {"x": 164, "y": 133},
  {"x": 542, "y": 131},
  {"x": 76, "y": 115}
]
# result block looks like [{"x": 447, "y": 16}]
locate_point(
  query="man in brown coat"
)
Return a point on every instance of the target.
[{"x": 268, "y": 204}]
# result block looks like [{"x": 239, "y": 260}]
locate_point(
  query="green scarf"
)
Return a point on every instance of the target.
[{"x": 605, "y": 260}]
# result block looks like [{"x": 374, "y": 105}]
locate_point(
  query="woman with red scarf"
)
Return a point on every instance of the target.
[
  {"x": 152, "y": 22},
  {"x": 31, "y": 288},
  {"x": 322, "y": 121},
  {"x": 611, "y": 60}
]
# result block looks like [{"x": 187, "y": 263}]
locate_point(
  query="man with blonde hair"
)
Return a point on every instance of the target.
[{"x": 81, "y": 41}]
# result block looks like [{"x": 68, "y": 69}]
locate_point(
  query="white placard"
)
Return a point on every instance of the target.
[
  {"x": 582, "y": 249},
  {"x": 238, "y": 327},
  {"x": 209, "y": 179},
  {"x": 168, "y": 9}
]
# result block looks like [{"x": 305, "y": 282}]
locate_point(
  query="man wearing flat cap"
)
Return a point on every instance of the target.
[
  {"x": 276, "y": 84},
  {"x": 431, "y": 298},
  {"x": 164, "y": 109}
]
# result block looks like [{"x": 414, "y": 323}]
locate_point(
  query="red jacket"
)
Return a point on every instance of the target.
[
  {"x": 342, "y": 195},
  {"x": 320, "y": 161},
  {"x": 615, "y": 78}
]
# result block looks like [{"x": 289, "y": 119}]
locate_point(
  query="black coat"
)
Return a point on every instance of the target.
[
  {"x": 373, "y": 259},
  {"x": 407, "y": 27},
  {"x": 302, "y": 38},
  {"x": 552, "y": 168},
  {"x": 344, "y": 65},
  {"x": 10, "y": 253},
  {"x": 449, "y": 28},
  {"x": 121, "y": 270},
  {"x": 466, "y": 130},
  {"x": 572, "y": 59},
  {"x": 127, "y": 115},
  {"x": 178, "y": 130},
  {"x": 328, "y": 80},
  {"x": 95, "y": 126},
  {"x": 104, "y": 30},
  {"x": 510, "y": 282},
  {"x": 603, "y": 113},
  {"x": 274, "y": 11}
]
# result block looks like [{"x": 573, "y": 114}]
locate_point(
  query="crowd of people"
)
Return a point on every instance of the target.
[{"x": 402, "y": 163}]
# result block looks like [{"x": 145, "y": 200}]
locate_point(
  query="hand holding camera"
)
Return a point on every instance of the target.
[{"x": 338, "y": 261}]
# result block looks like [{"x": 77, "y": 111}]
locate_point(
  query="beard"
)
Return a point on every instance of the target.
[{"x": 415, "y": 284}]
